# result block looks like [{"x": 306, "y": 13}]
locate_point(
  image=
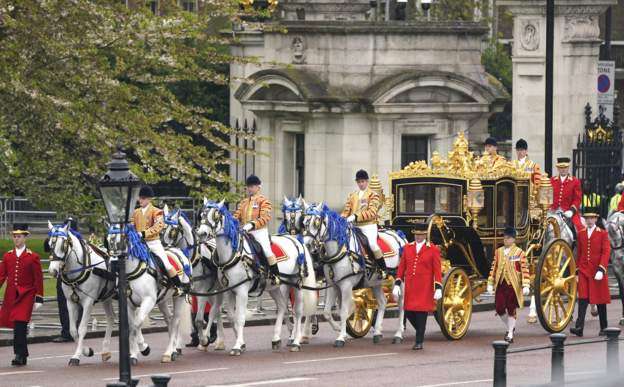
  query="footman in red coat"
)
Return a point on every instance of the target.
[
  {"x": 420, "y": 270},
  {"x": 567, "y": 193},
  {"x": 21, "y": 269},
  {"x": 592, "y": 258}
]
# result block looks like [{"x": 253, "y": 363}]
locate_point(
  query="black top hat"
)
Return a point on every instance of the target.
[
  {"x": 361, "y": 175},
  {"x": 563, "y": 162},
  {"x": 591, "y": 212},
  {"x": 146, "y": 192},
  {"x": 522, "y": 144},
  {"x": 509, "y": 232},
  {"x": 20, "y": 229},
  {"x": 420, "y": 228},
  {"x": 491, "y": 141},
  {"x": 252, "y": 180}
]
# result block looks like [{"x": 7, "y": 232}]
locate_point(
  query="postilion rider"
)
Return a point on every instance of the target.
[
  {"x": 361, "y": 209},
  {"x": 592, "y": 258},
  {"x": 254, "y": 213},
  {"x": 567, "y": 192},
  {"x": 420, "y": 270},
  {"x": 509, "y": 279},
  {"x": 21, "y": 269},
  {"x": 149, "y": 222}
]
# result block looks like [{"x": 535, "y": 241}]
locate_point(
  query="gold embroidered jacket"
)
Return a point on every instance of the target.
[
  {"x": 365, "y": 209},
  {"x": 151, "y": 222},
  {"x": 255, "y": 209},
  {"x": 512, "y": 268}
]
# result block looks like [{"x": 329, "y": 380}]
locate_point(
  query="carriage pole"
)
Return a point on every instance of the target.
[{"x": 119, "y": 189}]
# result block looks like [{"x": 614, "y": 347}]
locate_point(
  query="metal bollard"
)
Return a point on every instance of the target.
[
  {"x": 134, "y": 382},
  {"x": 557, "y": 371},
  {"x": 613, "y": 352},
  {"x": 161, "y": 380},
  {"x": 500, "y": 363}
]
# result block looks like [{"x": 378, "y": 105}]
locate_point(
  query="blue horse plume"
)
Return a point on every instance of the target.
[{"x": 230, "y": 224}]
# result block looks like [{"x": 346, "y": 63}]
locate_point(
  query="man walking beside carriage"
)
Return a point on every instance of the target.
[
  {"x": 421, "y": 272},
  {"x": 361, "y": 209},
  {"x": 593, "y": 252},
  {"x": 509, "y": 279}
]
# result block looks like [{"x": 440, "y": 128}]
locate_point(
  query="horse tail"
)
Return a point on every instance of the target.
[{"x": 310, "y": 297}]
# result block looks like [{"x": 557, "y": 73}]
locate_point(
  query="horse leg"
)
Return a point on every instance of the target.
[
  {"x": 133, "y": 335},
  {"x": 168, "y": 355},
  {"x": 398, "y": 335},
  {"x": 279, "y": 295},
  {"x": 200, "y": 324},
  {"x": 330, "y": 300},
  {"x": 110, "y": 321},
  {"x": 346, "y": 306},
  {"x": 87, "y": 305},
  {"x": 219, "y": 343},
  {"x": 72, "y": 310},
  {"x": 141, "y": 314},
  {"x": 298, "y": 316},
  {"x": 618, "y": 269},
  {"x": 241, "y": 308},
  {"x": 381, "y": 310}
]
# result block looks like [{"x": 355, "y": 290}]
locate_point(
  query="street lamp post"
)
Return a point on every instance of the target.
[{"x": 119, "y": 189}]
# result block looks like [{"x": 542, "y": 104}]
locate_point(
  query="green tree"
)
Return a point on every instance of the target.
[
  {"x": 497, "y": 61},
  {"x": 77, "y": 77}
]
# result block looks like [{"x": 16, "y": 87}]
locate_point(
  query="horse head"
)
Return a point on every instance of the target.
[
  {"x": 212, "y": 219},
  {"x": 293, "y": 215},
  {"x": 315, "y": 224},
  {"x": 615, "y": 225},
  {"x": 173, "y": 231},
  {"x": 59, "y": 244},
  {"x": 115, "y": 241}
]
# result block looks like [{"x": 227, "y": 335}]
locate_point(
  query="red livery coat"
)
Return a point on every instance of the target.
[
  {"x": 567, "y": 195},
  {"x": 24, "y": 282},
  {"x": 592, "y": 254},
  {"x": 420, "y": 272}
]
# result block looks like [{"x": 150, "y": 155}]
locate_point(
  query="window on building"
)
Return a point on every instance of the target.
[
  {"x": 189, "y": 5},
  {"x": 300, "y": 162},
  {"x": 414, "y": 148},
  {"x": 153, "y": 6}
]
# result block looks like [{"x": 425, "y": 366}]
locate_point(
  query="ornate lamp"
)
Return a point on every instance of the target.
[
  {"x": 476, "y": 200},
  {"x": 120, "y": 190},
  {"x": 544, "y": 195}
]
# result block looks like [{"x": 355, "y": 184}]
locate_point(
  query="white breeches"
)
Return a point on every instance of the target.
[
  {"x": 262, "y": 237},
  {"x": 370, "y": 231},
  {"x": 158, "y": 250}
]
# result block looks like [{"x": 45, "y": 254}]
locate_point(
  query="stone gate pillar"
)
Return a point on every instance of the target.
[{"x": 576, "y": 49}]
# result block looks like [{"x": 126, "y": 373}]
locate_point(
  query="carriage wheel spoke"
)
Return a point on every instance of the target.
[
  {"x": 559, "y": 257},
  {"x": 546, "y": 289},
  {"x": 564, "y": 266},
  {"x": 463, "y": 291}
]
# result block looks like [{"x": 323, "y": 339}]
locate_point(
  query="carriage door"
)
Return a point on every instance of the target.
[{"x": 504, "y": 216}]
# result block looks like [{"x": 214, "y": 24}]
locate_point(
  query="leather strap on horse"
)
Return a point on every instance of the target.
[{"x": 210, "y": 294}]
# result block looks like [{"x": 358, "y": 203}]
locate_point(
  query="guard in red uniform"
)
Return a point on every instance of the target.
[
  {"x": 21, "y": 269},
  {"x": 421, "y": 270},
  {"x": 509, "y": 278},
  {"x": 567, "y": 193},
  {"x": 593, "y": 251}
]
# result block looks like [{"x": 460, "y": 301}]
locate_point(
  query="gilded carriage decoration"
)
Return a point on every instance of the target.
[{"x": 467, "y": 202}]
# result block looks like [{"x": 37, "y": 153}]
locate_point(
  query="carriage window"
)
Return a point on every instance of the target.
[
  {"x": 504, "y": 204},
  {"x": 430, "y": 199},
  {"x": 486, "y": 215},
  {"x": 522, "y": 207}
]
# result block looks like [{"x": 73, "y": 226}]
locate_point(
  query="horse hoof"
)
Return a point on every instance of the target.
[
  {"x": 174, "y": 356},
  {"x": 339, "y": 343},
  {"x": 74, "y": 362},
  {"x": 166, "y": 359},
  {"x": 204, "y": 343},
  {"x": 179, "y": 351},
  {"x": 275, "y": 345},
  {"x": 291, "y": 342},
  {"x": 295, "y": 348},
  {"x": 134, "y": 361},
  {"x": 146, "y": 351},
  {"x": 315, "y": 328},
  {"x": 235, "y": 352},
  {"x": 397, "y": 340},
  {"x": 106, "y": 356},
  {"x": 305, "y": 340},
  {"x": 243, "y": 348},
  {"x": 220, "y": 347},
  {"x": 377, "y": 339},
  {"x": 203, "y": 348}
]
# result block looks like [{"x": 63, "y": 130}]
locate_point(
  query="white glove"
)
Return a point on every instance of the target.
[
  {"x": 437, "y": 294},
  {"x": 396, "y": 292},
  {"x": 351, "y": 218},
  {"x": 525, "y": 291},
  {"x": 37, "y": 306},
  {"x": 248, "y": 227},
  {"x": 490, "y": 289},
  {"x": 599, "y": 276},
  {"x": 568, "y": 213}
]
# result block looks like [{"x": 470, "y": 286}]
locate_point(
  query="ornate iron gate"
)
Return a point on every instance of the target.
[{"x": 598, "y": 159}]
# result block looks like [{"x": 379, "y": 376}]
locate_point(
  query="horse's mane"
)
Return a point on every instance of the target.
[
  {"x": 230, "y": 224},
  {"x": 336, "y": 225},
  {"x": 136, "y": 247}
]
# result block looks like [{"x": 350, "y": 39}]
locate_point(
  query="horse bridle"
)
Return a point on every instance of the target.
[
  {"x": 66, "y": 248},
  {"x": 620, "y": 231},
  {"x": 290, "y": 217}
]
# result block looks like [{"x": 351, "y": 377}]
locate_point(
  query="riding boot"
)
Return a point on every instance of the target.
[
  {"x": 602, "y": 315},
  {"x": 175, "y": 280},
  {"x": 381, "y": 264},
  {"x": 274, "y": 274},
  {"x": 583, "y": 303}
]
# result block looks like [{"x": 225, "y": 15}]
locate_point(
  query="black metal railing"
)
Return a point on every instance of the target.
[{"x": 557, "y": 371}]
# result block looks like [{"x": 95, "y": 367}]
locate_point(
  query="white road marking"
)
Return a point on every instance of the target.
[
  {"x": 340, "y": 358},
  {"x": 457, "y": 383},
  {"x": 61, "y": 356},
  {"x": 174, "y": 373},
  {"x": 19, "y": 373},
  {"x": 264, "y": 382}
]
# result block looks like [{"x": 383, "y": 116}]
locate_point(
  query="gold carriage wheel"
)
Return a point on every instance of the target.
[
  {"x": 555, "y": 286},
  {"x": 454, "y": 310},
  {"x": 363, "y": 317}
]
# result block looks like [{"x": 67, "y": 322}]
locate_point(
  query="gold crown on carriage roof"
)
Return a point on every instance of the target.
[{"x": 462, "y": 163}]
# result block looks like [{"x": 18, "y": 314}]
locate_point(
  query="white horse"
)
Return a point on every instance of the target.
[
  {"x": 293, "y": 212},
  {"x": 179, "y": 233},
  {"x": 344, "y": 268},
  {"x": 615, "y": 227},
  {"x": 146, "y": 290},
  {"x": 86, "y": 280},
  {"x": 237, "y": 270}
]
